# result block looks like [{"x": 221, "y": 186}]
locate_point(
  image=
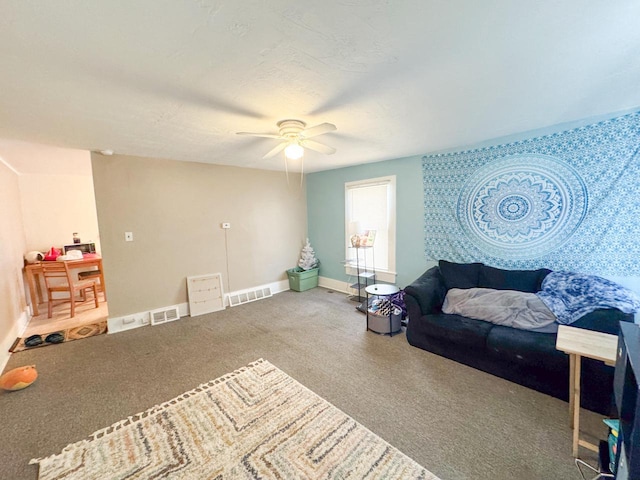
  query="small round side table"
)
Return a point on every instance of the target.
[{"x": 382, "y": 290}]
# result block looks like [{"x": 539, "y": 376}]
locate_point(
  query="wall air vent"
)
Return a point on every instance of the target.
[
  {"x": 164, "y": 315},
  {"x": 246, "y": 296}
]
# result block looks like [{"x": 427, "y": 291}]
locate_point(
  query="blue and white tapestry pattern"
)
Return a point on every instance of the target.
[
  {"x": 566, "y": 201},
  {"x": 535, "y": 200}
]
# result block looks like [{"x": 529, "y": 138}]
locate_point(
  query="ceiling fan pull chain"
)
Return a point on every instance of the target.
[{"x": 286, "y": 170}]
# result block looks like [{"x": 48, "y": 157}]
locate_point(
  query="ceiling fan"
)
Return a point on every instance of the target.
[{"x": 294, "y": 136}]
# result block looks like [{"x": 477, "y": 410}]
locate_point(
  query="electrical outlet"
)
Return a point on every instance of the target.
[
  {"x": 226, "y": 225},
  {"x": 128, "y": 236}
]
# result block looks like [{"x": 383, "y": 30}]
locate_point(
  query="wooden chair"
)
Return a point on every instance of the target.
[
  {"x": 92, "y": 274},
  {"x": 57, "y": 278}
]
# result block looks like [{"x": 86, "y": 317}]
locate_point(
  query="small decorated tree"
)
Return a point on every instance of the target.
[{"x": 308, "y": 258}]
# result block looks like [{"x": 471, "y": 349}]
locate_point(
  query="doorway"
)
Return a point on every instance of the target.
[{"x": 58, "y": 209}]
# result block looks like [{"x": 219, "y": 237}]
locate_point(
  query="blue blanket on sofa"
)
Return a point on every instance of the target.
[{"x": 570, "y": 295}]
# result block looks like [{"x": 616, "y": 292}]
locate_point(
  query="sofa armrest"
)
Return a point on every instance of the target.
[{"x": 428, "y": 292}]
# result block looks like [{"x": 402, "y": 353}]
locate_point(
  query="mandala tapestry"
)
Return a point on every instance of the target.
[{"x": 567, "y": 201}]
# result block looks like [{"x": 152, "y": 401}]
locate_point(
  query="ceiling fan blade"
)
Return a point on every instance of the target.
[
  {"x": 318, "y": 130},
  {"x": 265, "y": 135},
  {"x": 276, "y": 150},
  {"x": 318, "y": 147}
]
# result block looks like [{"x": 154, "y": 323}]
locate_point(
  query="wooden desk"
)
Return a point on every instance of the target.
[
  {"x": 33, "y": 271},
  {"x": 578, "y": 343}
]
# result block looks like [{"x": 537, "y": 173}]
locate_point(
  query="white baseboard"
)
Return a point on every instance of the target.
[
  {"x": 279, "y": 286},
  {"x": 23, "y": 321},
  {"x": 127, "y": 322},
  {"x": 183, "y": 309},
  {"x": 332, "y": 284},
  {"x": 19, "y": 326},
  {"x": 141, "y": 319}
]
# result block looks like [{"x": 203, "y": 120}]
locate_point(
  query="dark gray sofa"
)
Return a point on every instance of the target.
[{"x": 522, "y": 356}]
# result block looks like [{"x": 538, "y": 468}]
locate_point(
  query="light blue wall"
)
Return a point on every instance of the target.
[
  {"x": 326, "y": 216},
  {"x": 326, "y": 208}
]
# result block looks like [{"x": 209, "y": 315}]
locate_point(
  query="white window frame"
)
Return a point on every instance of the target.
[{"x": 385, "y": 275}]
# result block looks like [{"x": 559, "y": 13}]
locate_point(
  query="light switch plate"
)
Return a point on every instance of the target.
[{"x": 128, "y": 236}]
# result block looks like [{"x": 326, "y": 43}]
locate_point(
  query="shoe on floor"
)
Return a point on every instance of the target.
[
  {"x": 33, "y": 341},
  {"x": 56, "y": 337}
]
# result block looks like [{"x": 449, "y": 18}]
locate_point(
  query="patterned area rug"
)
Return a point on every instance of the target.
[
  {"x": 61, "y": 336},
  {"x": 256, "y": 422}
]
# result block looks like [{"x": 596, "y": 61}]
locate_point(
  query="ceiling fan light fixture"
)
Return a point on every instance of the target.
[
  {"x": 295, "y": 137},
  {"x": 294, "y": 151}
]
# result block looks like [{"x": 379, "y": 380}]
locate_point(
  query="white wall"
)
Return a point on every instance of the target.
[
  {"x": 55, "y": 206},
  {"x": 12, "y": 245}
]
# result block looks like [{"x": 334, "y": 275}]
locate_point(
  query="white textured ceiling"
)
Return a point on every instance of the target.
[{"x": 177, "y": 79}]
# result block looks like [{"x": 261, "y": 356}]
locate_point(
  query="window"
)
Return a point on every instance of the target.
[{"x": 371, "y": 205}]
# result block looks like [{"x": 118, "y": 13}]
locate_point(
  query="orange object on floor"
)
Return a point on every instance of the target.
[{"x": 19, "y": 378}]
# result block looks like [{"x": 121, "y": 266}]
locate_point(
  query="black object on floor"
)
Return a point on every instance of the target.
[
  {"x": 33, "y": 341},
  {"x": 56, "y": 337},
  {"x": 36, "y": 340}
]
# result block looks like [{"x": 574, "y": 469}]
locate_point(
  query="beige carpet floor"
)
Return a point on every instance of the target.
[{"x": 458, "y": 422}]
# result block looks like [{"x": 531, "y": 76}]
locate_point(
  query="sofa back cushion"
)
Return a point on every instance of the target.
[
  {"x": 520, "y": 280},
  {"x": 460, "y": 275}
]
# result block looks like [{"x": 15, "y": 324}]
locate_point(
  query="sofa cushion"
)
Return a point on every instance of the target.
[
  {"x": 455, "y": 329},
  {"x": 526, "y": 348},
  {"x": 459, "y": 275},
  {"x": 520, "y": 280}
]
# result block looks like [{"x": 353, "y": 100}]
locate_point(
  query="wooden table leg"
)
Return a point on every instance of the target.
[
  {"x": 102, "y": 284},
  {"x": 576, "y": 403},
  {"x": 36, "y": 276},
  {"x": 572, "y": 375}
]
